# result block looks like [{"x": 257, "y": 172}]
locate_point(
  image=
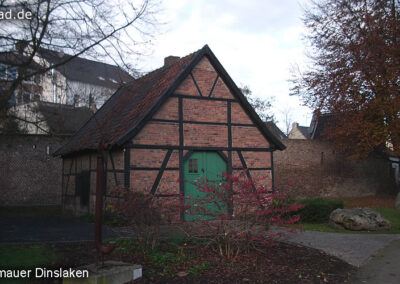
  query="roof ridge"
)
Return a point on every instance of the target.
[
  {"x": 83, "y": 58},
  {"x": 168, "y": 66}
]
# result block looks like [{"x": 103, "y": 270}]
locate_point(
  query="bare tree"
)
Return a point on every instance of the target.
[
  {"x": 116, "y": 31},
  {"x": 262, "y": 107},
  {"x": 287, "y": 118}
]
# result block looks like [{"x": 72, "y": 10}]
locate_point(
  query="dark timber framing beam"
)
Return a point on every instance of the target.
[
  {"x": 195, "y": 83},
  {"x": 244, "y": 165},
  {"x": 133, "y": 168},
  {"x": 202, "y": 122},
  {"x": 229, "y": 120},
  {"x": 272, "y": 172},
  {"x": 181, "y": 143},
  {"x": 113, "y": 169},
  {"x": 254, "y": 169},
  {"x": 70, "y": 174},
  {"x": 106, "y": 154},
  {"x": 160, "y": 173},
  {"x": 127, "y": 171},
  {"x": 213, "y": 86},
  {"x": 196, "y": 148},
  {"x": 202, "y": 98},
  {"x": 109, "y": 171}
]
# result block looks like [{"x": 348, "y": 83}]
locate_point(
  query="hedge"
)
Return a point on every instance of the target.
[{"x": 317, "y": 210}]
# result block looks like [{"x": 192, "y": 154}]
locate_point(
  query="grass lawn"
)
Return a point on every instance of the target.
[
  {"x": 383, "y": 205},
  {"x": 15, "y": 256}
]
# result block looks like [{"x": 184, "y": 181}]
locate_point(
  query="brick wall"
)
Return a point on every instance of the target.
[
  {"x": 316, "y": 168},
  {"x": 29, "y": 175}
]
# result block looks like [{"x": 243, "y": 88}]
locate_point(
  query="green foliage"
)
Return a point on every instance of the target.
[
  {"x": 126, "y": 245},
  {"x": 317, "y": 210},
  {"x": 160, "y": 258},
  {"x": 196, "y": 269},
  {"x": 393, "y": 215}
]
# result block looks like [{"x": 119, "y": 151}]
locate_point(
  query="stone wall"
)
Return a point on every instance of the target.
[
  {"x": 310, "y": 168},
  {"x": 29, "y": 174}
]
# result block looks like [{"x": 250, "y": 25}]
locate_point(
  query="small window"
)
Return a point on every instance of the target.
[
  {"x": 3, "y": 71},
  {"x": 193, "y": 167},
  {"x": 11, "y": 73},
  {"x": 8, "y": 72}
]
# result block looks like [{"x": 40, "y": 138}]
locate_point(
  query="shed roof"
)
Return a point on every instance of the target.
[
  {"x": 63, "y": 119},
  {"x": 127, "y": 111}
]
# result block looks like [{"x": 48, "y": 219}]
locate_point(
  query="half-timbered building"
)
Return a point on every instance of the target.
[{"x": 165, "y": 129}]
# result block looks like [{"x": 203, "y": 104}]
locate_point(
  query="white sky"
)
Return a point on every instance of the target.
[{"x": 257, "y": 41}]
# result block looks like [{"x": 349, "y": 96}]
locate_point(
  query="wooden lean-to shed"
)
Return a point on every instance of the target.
[{"x": 164, "y": 129}]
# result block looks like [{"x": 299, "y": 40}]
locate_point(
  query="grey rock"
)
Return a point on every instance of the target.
[
  {"x": 397, "y": 202},
  {"x": 358, "y": 219}
]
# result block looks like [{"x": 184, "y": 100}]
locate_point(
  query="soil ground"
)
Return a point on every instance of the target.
[{"x": 191, "y": 263}]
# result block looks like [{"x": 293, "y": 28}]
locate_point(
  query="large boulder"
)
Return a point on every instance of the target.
[
  {"x": 397, "y": 202},
  {"x": 358, "y": 219}
]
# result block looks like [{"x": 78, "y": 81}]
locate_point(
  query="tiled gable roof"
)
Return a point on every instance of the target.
[{"x": 123, "y": 115}]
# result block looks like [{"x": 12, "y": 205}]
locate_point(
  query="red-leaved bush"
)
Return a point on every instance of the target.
[
  {"x": 144, "y": 213},
  {"x": 236, "y": 215}
]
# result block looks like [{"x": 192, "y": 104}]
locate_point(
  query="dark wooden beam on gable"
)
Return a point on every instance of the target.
[
  {"x": 242, "y": 160},
  {"x": 195, "y": 83},
  {"x": 160, "y": 173},
  {"x": 213, "y": 86}
]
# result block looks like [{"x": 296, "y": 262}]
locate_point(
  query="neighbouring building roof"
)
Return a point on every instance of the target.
[
  {"x": 299, "y": 132},
  {"x": 275, "y": 130},
  {"x": 321, "y": 124},
  {"x": 127, "y": 111},
  {"x": 87, "y": 71},
  {"x": 305, "y": 131},
  {"x": 63, "y": 119},
  {"x": 16, "y": 59}
]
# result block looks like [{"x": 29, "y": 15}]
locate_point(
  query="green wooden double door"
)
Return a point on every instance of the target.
[{"x": 201, "y": 168}]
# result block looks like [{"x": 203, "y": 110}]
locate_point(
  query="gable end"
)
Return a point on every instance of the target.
[{"x": 221, "y": 75}]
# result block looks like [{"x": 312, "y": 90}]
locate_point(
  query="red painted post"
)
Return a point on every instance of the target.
[{"x": 99, "y": 198}]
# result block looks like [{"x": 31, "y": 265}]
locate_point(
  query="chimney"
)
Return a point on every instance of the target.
[
  {"x": 295, "y": 125},
  {"x": 170, "y": 60}
]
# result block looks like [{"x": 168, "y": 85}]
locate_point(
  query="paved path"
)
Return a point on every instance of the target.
[
  {"x": 355, "y": 249},
  {"x": 376, "y": 255},
  {"x": 382, "y": 268},
  {"x": 47, "y": 229}
]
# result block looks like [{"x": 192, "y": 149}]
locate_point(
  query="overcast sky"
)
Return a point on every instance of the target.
[{"x": 257, "y": 41}]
